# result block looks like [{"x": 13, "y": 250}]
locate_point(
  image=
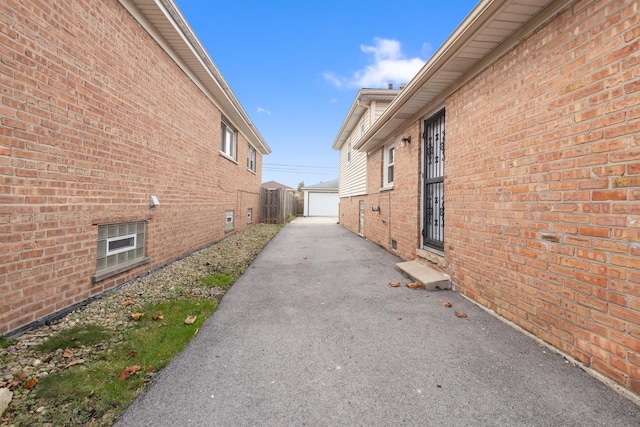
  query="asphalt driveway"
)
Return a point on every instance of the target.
[{"x": 311, "y": 335}]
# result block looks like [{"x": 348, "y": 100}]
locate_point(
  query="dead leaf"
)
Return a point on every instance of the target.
[
  {"x": 415, "y": 285},
  {"x": 74, "y": 363},
  {"x": 131, "y": 354},
  {"x": 136, "y": 316},
  {"x": 149, "y": 368},
  {"x": 21, "y": 376},
  {"x": 158, "y": 316},
  {"x": 399, "y": 318},
  {"x": 128, "y": 371},
  {"x": 127, "y": 303},
  {"x": 394, "y": 284},
  {"x": 446, "y": 304},
  {"x": 460, "y": 314},
  {"x": 31, "y": 383},
  {"x": 68, "y": 354},
  {"x": 190, "y": 320}
]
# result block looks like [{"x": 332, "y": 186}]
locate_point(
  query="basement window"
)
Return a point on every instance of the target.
[
  {"x": 249, "y": 215},
  {"x": 228, "y": 221},
  {"x": 121, "y": 246}
]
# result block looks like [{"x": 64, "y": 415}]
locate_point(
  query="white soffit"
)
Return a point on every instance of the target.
[
  {"x": 488, "y": 25},
  {"x": 173, "y": 33}
]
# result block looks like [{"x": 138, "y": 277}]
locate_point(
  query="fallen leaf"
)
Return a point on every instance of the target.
[
  {"x": 415, "y": 285},
  {"x": 190, "y": 320},
  {"x": 394, "y": 284},
  {"x": 136, "y": 316},
  {"x": 21, "y": 376},
  {"x": 399, "y": 318},
  {"x": 74, "y": 363},
  {"x": 127, "y": 303},
  {"x": 31, "y": 383},
  {"x": 460, "y": 314},
  {"x": 131, "y": 354},
  {"x": 446, "y": 304},
  {"x": 158, "y": 316},
  {"x": 68, "y": 354},
  {"x": 128, "y": 371},
  {"x": 149, "y": 368}
]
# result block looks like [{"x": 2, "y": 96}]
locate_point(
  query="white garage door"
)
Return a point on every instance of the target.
[{"x": 323, "y": 204}]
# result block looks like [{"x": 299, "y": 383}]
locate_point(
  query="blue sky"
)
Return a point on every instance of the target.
[{"x": 296, "y": 66}]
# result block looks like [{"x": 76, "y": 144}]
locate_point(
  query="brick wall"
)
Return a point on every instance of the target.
[
  {"x": 543, "y": 186},
  {"x": 398, "y": 217},
  {"x": 94, "y": 118}
]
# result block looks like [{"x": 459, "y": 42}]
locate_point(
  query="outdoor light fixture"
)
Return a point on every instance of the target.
[
  {"x": 375, "y": 208},
  {"x": 405, "y": 140},
  {"x": 153, "y": 201}
]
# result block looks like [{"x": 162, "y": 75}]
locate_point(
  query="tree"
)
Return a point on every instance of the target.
[{"x": 300, "y": 186}]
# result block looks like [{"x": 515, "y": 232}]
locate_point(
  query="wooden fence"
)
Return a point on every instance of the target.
[{"x": 277, "y": 205}]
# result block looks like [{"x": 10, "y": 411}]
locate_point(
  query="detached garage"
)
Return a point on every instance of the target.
[{"x": 321, "y": 199}]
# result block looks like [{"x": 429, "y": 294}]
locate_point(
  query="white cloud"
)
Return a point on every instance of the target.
[
  {"x": 389, "y": 66},
  {"x": 263, "y": 111}
]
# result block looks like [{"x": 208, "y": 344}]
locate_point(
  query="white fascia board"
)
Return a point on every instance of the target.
[
  {"x": 397, "y": 113},
  {"x": 360, "y": 104},
  {"x": 214, "y": 85}
]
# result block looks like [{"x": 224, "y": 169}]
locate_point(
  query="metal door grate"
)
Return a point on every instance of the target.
[{"x": 434, "y": 149}]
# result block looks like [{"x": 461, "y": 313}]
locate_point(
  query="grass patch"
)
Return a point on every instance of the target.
[
  {"x": 93, "y": 393},
  {"x": 78, "y": 336},
  {"x": 5, "y": 342},
  {"x": 221, "y": 280}
]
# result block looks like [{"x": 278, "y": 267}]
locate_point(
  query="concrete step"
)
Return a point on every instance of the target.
[{"x": 430, "y": 278}]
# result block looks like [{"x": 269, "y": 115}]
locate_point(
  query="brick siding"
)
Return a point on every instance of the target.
[
  {"x": 95, "y": 117},
  {"x": 542, "y": 187}
]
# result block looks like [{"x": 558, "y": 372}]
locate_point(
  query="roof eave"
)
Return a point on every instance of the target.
[
  {"x": 165, "y": 23},
  {"x": 480, "y": 17},
  {"x": 360, "y": 104}
]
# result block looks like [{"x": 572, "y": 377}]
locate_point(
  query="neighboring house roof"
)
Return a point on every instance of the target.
[
  {"x": 323, "y": 186},
  {"x": 358, "y": 108},
  {"x": 274, "y": 184},
  {"x": 164, "y": 22},
  {"x": 467, "y": 50}
]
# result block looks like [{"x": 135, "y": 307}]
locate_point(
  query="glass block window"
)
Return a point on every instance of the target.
[{"x": 120, "y": 243}]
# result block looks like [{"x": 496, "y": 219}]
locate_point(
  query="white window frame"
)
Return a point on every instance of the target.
[
  {"x": 250, "y": 216},
  {"x": 349, "y": 150},
  {"x": 389, "y": 162},
  {"x": 251, "y": 158},
  {"x": 124, "y": 248},
  {"x": 228, "y": 141},
  {"x": 112, "y": 262}
]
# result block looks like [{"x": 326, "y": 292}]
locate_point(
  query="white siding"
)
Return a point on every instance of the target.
[{"x": 353, "y": 173}]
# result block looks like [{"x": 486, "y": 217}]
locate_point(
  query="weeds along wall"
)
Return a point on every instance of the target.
[{"x": 96, "y": 117}]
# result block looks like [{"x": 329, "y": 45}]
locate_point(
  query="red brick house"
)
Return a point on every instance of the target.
[
  {"x": 530, "y": 199},
  {"x": 122, "y": 148}
]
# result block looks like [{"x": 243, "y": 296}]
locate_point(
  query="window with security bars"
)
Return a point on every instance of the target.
[{"x": 434, "y": 154}]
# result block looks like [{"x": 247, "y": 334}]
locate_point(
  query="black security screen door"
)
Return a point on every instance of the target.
[{"x": 433, "y": 231}]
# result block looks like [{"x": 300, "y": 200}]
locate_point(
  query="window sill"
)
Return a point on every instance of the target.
[
  {"x": 228, "y": 157},
  {"x": 105, "y": 274},
  {"x": 252, "y": 171},
  {"x": 389, "y": 188}
]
